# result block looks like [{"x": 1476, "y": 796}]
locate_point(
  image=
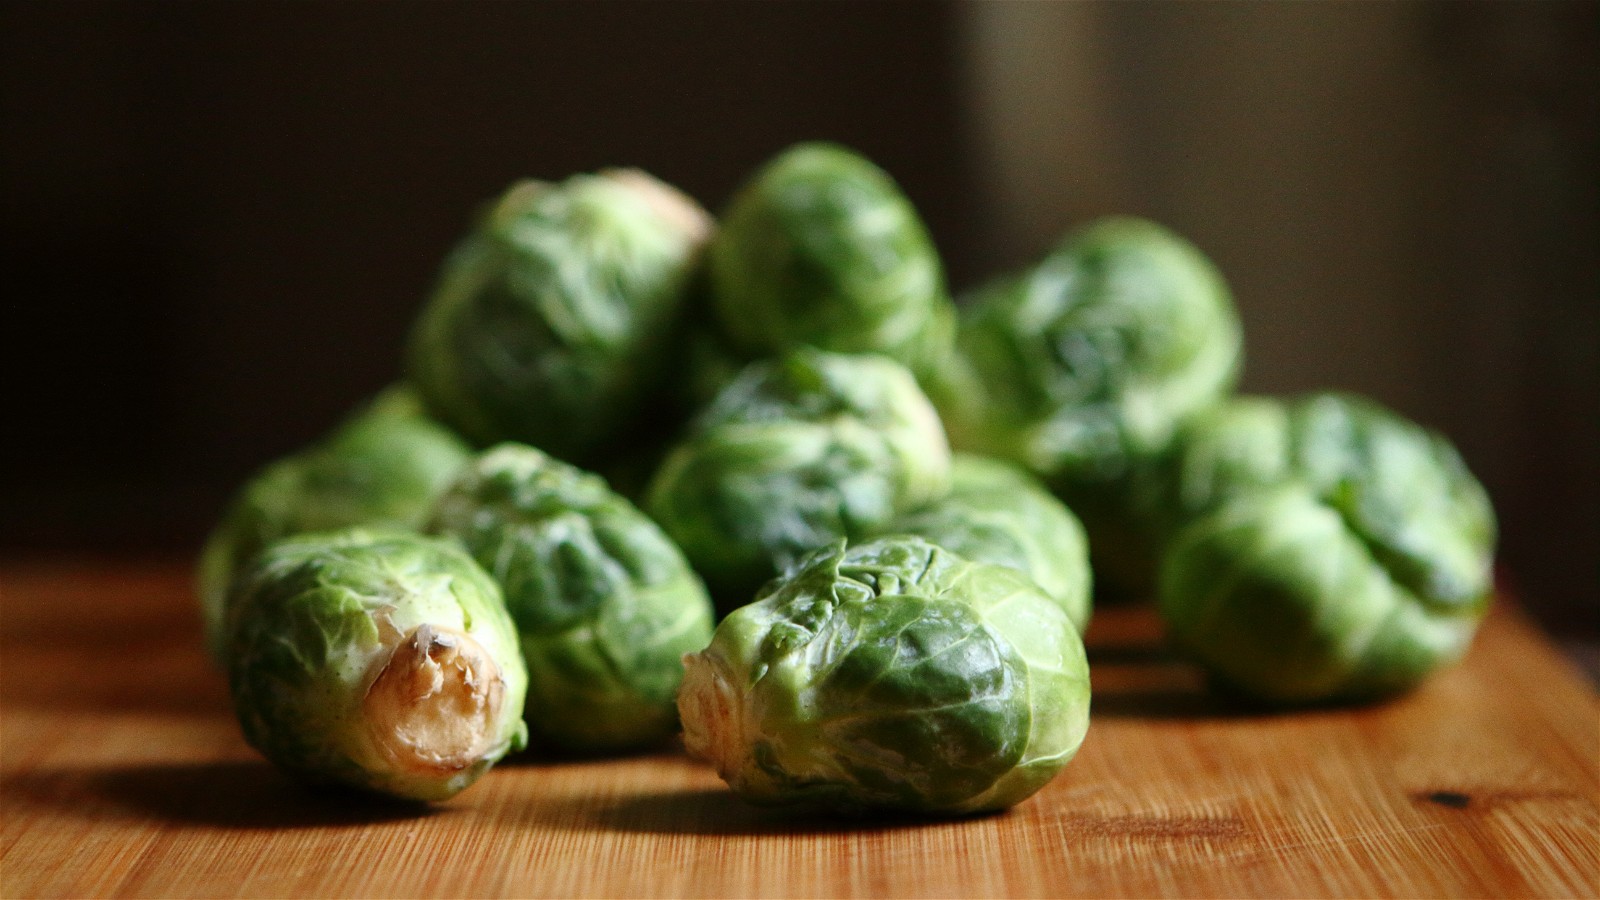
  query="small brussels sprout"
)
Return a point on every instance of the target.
[
  {"x": 383, "y": 467},
  {"x": 997, "y": 513},
  {"x": 821, "y": 248},
  {"x": 380, "y": 660},
  {"x": 554, "y": 321},
  {"x": 796, "y": 453},
  {"x": 1083, "y": 367},
  {"x": 605, "y": 604},
  {"x": 1325, "y": 549},
  {"x": 893, "y": 675}
]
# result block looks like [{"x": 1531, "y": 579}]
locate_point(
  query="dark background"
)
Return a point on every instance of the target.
[{"x": 219, "y": 219}]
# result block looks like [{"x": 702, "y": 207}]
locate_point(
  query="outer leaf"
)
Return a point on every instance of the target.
[
  {"x": 1083, "y": 367},
  {"x": 605, "y": 604},
  {"x": 553, "y": 322},
  {"x": 821, "y": 248},
  {"x": 378, "y": 660},
  {"x": 1323, "y": 548},
  {"x": 894, "y": 675},
  {"x": 794, "y": 454}
]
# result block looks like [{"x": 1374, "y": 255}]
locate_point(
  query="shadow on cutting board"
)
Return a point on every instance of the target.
[
  {"x": 1138, "y": 676},
  {"x": 1142, "y": 696},
  {"x": 541, "y": 752},
  {"x": 711, "y": 811},
  {"x": 246, "y": 795},
  {"x": 1145, "y": 680}
]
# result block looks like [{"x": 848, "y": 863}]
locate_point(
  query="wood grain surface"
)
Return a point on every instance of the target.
[{"x": 122, "y": 773}]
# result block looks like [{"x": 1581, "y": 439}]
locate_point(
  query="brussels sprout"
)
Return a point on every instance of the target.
[
  {"x": 997, "y": 513},
  {"x": 893, "y": 675},
  {"x": 796, "y": 453},
  {"x": 1084, "y": 366},
  {"x": 384, "y": 466},
  {"x": 606, "y": 606},
  {"x": 1330, "y": 549},
  {"x": 381, "y": 660},
  {"x": 554, "y": 321},
  {"x": 821, "y": 248}
]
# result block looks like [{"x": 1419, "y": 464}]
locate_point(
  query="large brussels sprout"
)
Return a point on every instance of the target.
[
  {"x": 1083, "y": 367},
  {"x": 381, "y": 660},
  {"x": 554, "y": 321},
  {"x": 384, "y": 466},
  {"x": 794, "y": 454},
  {"x": 1327, "y": 549},
  {"x": 605, "y": 604},
  {"x": 822, "y": 248},
  {"x": 893, "y": 675},
  {"x": 997, "y": 513}
]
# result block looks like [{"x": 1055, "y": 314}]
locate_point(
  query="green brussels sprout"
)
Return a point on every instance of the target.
[
  {"x": 1083, "y": 367},
  {"x": 892, "y": 675},
  {"x": 605, "y": 604},
  {"x": 380, "y": 660},
  {"x": 821, "y": 248},
  {"x": 384, "y": 466},
  {"x": 998, "y": 513},
  {"x": 554, "y": 322},
  {"x": 794, "y": 454},
  {"x": 1325, "y": 549}
]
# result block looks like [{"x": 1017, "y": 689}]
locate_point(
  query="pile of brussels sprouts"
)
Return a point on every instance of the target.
[{"x": 622, "y": 422}]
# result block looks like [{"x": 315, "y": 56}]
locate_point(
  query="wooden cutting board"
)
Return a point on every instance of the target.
[{"x": 123, "y": 774}]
